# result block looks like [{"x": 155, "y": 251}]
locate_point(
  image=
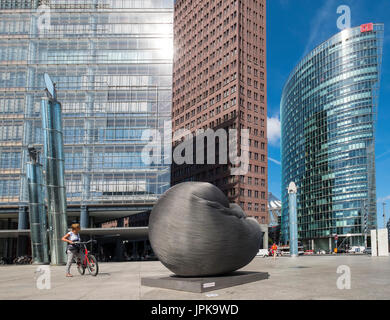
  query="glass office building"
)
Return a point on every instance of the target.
[
  {"x": 328, "y": 114},
  {"x": 111, "y": 61}
]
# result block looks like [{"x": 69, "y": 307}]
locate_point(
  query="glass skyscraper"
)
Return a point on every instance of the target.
[
  {"x": 111, "y": 61},
  {"x": 328, "y": 115}
]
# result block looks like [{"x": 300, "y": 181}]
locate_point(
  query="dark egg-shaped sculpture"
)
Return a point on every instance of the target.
[{"x": 194, "y": 231}]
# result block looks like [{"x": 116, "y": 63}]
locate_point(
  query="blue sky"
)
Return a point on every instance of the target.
[{"x": 294, "y": 28}]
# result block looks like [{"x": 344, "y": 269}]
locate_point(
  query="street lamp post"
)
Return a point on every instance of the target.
[
  {"x": 365, "y": 223},
  {"x": 384, "y": 215},
  {"x": 292, "y": 208}
]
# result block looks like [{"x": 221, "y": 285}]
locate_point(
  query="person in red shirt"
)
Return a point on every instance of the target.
[{"x": 274, "y": 248}]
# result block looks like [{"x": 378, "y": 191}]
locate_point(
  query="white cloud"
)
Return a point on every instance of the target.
[
  {"x": 383, "y": 154},
  {"x": 273, "y": 130},
  {"x": 274, "y": 161},
  {"x": 383, "y": 199},
  {"x": 319, "y": 26}
]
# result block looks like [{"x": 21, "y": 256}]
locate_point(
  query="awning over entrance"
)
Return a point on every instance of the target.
[
  {"x": 13, "y": 233},
  {"x": 130, "y": 233}
]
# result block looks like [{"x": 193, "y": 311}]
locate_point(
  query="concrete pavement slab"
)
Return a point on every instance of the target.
[{"x": 305, "y": 277}]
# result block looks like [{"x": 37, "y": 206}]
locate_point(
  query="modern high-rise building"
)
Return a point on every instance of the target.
[
  {"x": 111, "y": 61},
  {"x": 275, "y": 215},
  {"x": 388, "y": 230},
  {"x": 219, "y": 82},
  {"x": 274, "y": 209},
  {"x": 328, "y": 115}
]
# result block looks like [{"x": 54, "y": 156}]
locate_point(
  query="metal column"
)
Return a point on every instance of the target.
[
  {"x": 119, "y": 250},
  {"x": 22, "y": 218},
  {"x": 37, "y": 211},
  {"x": 88, "y": 127},
  {"x": 55, "y": 177},
  {"x": 292, "y": 208},
  {"x": 134, "y": 255},
  {"x": 22, "y": 225},
  {"x": 84, "y": 217}
]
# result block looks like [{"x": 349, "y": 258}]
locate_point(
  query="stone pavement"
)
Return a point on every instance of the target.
[{"x": 305, "y": 277}]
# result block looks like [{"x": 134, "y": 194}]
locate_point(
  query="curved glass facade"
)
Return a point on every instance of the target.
[{"x": 328, "y": 115}]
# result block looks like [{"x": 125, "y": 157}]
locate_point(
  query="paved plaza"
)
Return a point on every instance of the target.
[{"x": 306, "y": 277}]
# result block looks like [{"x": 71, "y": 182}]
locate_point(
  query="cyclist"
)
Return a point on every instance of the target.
[{"x": 73, "y": 250}]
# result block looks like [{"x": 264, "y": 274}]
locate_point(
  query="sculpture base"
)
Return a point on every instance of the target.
[{"x": 204, "y": 284}]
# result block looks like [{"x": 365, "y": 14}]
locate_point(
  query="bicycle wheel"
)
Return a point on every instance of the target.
[
  {"x": 92, "y": 265},
  {"x": 80, "y": 268}
]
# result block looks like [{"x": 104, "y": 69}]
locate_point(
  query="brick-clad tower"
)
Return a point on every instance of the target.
[{"x": 219, "y": 81}]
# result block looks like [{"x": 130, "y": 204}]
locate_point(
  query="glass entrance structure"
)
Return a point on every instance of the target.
[{"x": 328, "y": 114}]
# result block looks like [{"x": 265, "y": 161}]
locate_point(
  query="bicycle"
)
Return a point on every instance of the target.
[
  {"x": 23, "y": 260},
  {"x": 89, "y": 262}
]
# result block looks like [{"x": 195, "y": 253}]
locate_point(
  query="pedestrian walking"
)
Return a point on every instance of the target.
[
  {"x": 274, "y": 249},
  {"x": 73, "y": 250}
]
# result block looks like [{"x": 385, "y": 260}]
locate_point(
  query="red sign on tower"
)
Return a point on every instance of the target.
[{"x": 367, "y": 27}]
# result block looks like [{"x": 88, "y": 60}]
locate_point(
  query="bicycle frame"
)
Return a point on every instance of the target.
[{"x": 85, "y": 260}]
